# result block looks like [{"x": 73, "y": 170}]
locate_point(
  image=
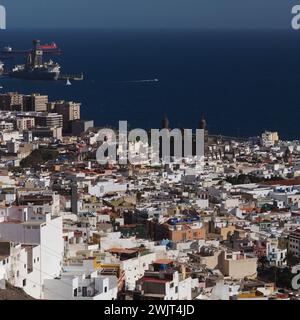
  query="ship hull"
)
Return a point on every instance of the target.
[{"x": 33, "y": 75}]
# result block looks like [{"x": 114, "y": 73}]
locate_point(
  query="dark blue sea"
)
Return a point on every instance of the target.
[{"x": 242, "y": 81}]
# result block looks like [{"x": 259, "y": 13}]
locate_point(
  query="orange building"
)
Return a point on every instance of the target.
[{"x": 181, "y": 232}]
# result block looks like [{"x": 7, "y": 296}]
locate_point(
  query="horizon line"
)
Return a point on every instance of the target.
[{"x": 27, "y": 28}]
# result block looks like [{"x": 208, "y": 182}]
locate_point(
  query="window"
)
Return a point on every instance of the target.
[
  {"x": 105, "y": 289},
  {"x": 24, "y": 282},
  {"x": 171, "y": 285},
  {"x": 176, "y": 289},
  {"x": 84, "y": 291},
  {"x": 75, "y": 292}
]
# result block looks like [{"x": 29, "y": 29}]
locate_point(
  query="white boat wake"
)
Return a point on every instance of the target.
[{"x": 140, "y": 81}]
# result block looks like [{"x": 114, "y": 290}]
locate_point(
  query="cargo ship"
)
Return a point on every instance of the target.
[
  {"x": 47, "y": 48},
  {"x": 35, "y": 68}
]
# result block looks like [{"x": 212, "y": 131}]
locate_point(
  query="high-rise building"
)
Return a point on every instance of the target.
[
  {"x": 35, "y": 102},
  {"x": 269, "y": 139},
  {"x": 11, "y": 101},
  {"x": 50, "y": 107},
  {"x": 25, "y": 123},
  {"x": 69, "y": 110},
  {"x": 81, "y": 126},
  {"x": 44, "y": 132},
  {"x": 49, "y": 120}
]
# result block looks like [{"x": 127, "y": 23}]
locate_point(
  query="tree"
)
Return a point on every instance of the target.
[
  {"x": 38, "y": 157},
  {"x": 291, "y": 259},
  {"x": 263, "y": 261}
]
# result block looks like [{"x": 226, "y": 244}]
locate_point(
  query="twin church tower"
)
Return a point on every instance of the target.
[
  {"x": 165, "y": 124},
  {"x": 202, "y": 124}
]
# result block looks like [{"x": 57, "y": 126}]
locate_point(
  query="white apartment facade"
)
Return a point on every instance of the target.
[
  {"x": 81, "y": 286},
  {"x": 21, "y": 225}
]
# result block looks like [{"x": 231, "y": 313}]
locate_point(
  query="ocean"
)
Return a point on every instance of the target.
[{"x": 244, "y": 82}]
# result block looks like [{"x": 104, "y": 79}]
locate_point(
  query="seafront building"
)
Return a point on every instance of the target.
[{"x": 226, "y": 227}]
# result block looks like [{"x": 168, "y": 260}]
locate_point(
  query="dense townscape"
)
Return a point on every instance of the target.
[{"x": 224, "y": 228}]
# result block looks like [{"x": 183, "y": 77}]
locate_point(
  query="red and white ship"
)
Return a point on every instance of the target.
[{"x": 48, "y": 47}]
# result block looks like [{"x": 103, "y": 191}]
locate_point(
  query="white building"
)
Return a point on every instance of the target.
[
  {"x": 22, "y": 267},
  {"x": 276, "y": 256},
  {"x": 135, "y": 268},
  {"x": 165, "y": 286},
  {"x": 81, "y": 286},
  {"x": 107, "y": 186},
  {"x": 21, "y": 225},
  {"x": 9, "y": 135}
]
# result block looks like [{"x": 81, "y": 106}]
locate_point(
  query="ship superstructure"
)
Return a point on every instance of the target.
[{"x": 35, "y": 68}]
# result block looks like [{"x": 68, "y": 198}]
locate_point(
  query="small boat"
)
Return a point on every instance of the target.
[
  {"x": 7, "y": 49},
  {"x": 68, "y": 82}
]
